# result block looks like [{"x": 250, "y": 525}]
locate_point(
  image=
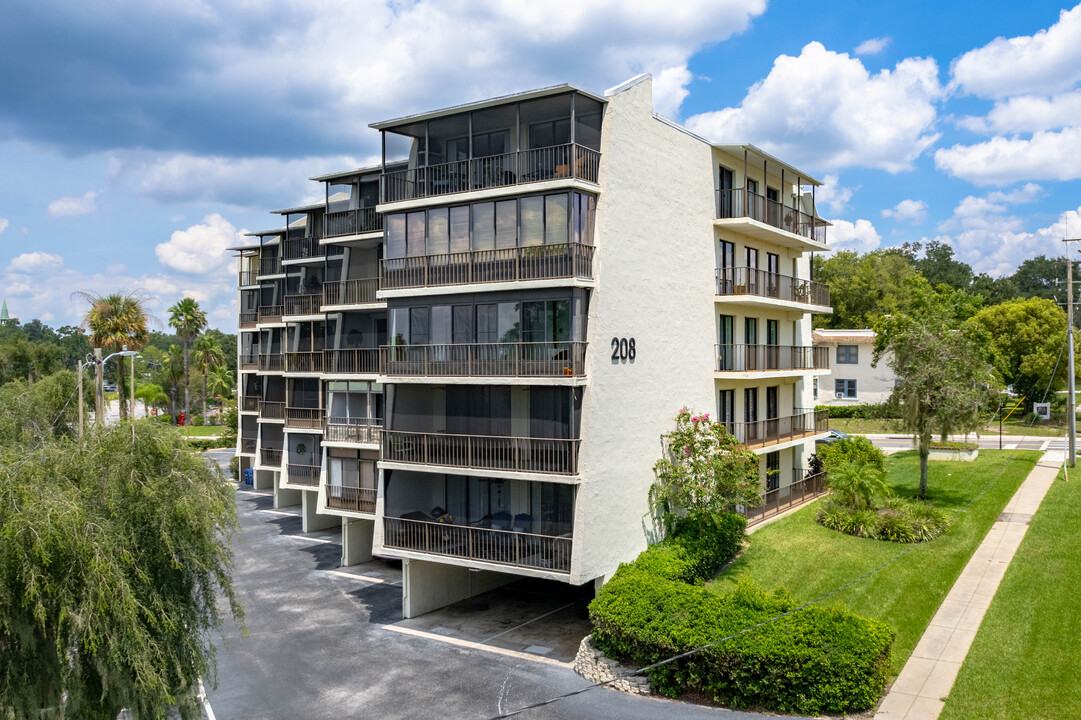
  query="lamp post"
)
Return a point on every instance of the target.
[{"x": 99, "y": 395}]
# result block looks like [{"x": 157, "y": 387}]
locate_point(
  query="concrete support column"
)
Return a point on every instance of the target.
[
  {"x": 263, "y": 480},
  {"x": 356, "y": 541},
  {"x": 311, "y": 519},
  {"x": 286, "y": 497},
  {"x": 428, "y": 586}
]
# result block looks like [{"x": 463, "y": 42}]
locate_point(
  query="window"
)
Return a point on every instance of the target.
[
  {"x": 750, "y": 405},
  {"x": 772, "y": 404},
  {"x": 751, "y": 257},
  {"x": 848, "y": 354},
  {"x": 727, "y": 406},
  {"x": 773, "y": 471},
  {"x": 845, "y": 388}
]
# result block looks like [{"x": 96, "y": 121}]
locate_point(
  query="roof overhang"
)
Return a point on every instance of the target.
[{"x": 760, "y": 154}]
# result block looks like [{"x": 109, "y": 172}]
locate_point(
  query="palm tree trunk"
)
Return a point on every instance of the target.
[
  {"x": 205, "y": 418},
  {"x": 187, "y": 386}
]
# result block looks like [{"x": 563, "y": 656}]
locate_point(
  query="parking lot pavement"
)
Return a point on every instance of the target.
[{"x": 316, "y": 647}]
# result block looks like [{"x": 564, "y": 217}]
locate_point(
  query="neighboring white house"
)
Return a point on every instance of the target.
[{"x": 852, "y": 380}]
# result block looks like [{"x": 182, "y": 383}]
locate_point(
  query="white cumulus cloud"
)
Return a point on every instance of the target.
[
  {"x": 912, "y": 210},
  {"x": 872, "y": 46},
  {"x": 860, "y": 236},
  {"x": 1028, "y": 113},
  {"x": 3, "y": 224},
  {"x": 823, "y": 109},
  {"x": 74, "y": 205},
  {"x": 998, "y": 243},
  {"x": 35, "y": 262},
  {"x": 833, "y": 195},
  {"x": 1002, "y": 160},
  {"x": 202, "y": 248}
]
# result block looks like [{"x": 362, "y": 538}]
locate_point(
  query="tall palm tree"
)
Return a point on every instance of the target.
[
  {"x": 208, "y": 356},
  {"x": 188, "y": 319},
  {"x": 174, "y": 371},
  {"x": 116, "y": 320}
]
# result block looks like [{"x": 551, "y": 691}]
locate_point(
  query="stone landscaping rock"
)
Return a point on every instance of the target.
[{"x": 595, "y": 666}]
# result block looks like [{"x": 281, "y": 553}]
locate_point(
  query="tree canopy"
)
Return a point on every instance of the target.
[{"x": 1027, "y": 339}]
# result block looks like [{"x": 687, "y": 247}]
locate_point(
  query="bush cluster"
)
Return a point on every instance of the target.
[
  {"x": 860, "y": 412},
  {"x": 201, "y": 444},
  {"x": 950, "y": 445},
  {"x": 816, "y": 660},
  {"x": 234, "y": 467},
  {"x": 897, "y": 520}
]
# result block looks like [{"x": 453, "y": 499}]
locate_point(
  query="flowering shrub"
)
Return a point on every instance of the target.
[{"x": 704, "y": 469}]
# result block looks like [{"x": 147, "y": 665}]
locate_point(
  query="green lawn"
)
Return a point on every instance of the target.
[
  {"x": 807, "y": 559},
  {"x": 1024, "y": 661},
  {"x": 860, "y": 426},
  {"x": 201, "y": 431}
]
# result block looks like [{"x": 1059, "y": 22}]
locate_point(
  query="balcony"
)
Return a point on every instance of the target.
[
  {"x": 247, "y": 320},
  {"x": 304, "y": 418},
  {"x": 764, "y": 433},
  {"x": 270, "y": 457},
  {"x": 350, "y": 292},
  {"x": 771, "y": 358},
  {"x": 271, "y": 313},
  {"x": 308, "y": 248},
  {"x": 249, "y": 361},
  {"x": 739, "y": 203},
  {"x": 249, "y": 403},
  {"x": 522, "y": 359},
  {"x": 503, "y": 547},
  {"x": 353, "y": 499},
  {"x": 352, "y": 430},
  {"x": 247, "y": 446},
  {"x": 516, "y": 454},
  {"x": 270, "y": 266},
  {"x": 270, "y": 362},
  {"x": 753, "y": 283},
  {"x": 303, "y": 304},
  {"x": 804, "y": 488},
  {"x": 351, "y": 361},
  {"x": 307, "y": 475},
  {"x": 352, "y": 222},
  {"x": 271, "y": 410},
  {"x": 513, "y": 168},
  {"x": 247, "y": 277},
  {"x": 310, "y": 362},
  {"x": 533, "y": 262}
]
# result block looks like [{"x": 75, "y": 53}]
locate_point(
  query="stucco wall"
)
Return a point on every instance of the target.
[{"x": 873, "y": 384}]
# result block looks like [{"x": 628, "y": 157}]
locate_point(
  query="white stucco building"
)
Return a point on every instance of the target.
[
  {"x": 469, "y": 355},
  {"x": 852, "y": 380}
]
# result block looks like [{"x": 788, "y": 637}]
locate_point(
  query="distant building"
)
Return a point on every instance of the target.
[
  {"x": 852, "y": 380},
  {"x": 4, "y": 319}
]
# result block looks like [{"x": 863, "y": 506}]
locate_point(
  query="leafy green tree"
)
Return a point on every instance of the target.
[
  {"x": 114, "y": 573},
  {"x": 152, "y": 395},
  {"x": 208, "y": 357},
  {"x": 1041, "y": 277},
  {"x": 994, "y": 290},
  {"x": 228, "y": 343},
  {"x": 188, "y": 319},
  {"x": 220, "y": 383},
  {"x": 32, "y": 408},
  {"x": 704, "y": 470},
  {"x": 117, "y": 320},
  {"x": 935, "y": 261},
  {"x": 863, "y": 288},
  {"x": 855, "y": 448},
  {"x": 1027, "y": 337},
  {"x": 941, "y": 359}
]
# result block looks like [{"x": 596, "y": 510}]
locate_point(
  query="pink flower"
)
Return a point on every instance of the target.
[
  {"x": 687, "y": 450},
  {"x": 694, "y": 419}
]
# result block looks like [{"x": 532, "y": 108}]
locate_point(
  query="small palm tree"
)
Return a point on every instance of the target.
[
  {"x": 208, "y": 356},
  {"x": 856, "y": 484},
  {"x": 188, "y": 319},
  {"x": 114, "y": 321},
  {"x": 152, "y": 395},
  {"x": 220, "y": 383}
]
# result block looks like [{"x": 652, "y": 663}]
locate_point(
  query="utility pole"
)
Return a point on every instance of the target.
[
  {"x": 80, "y": 391},
  {"x": 99, "y": 392},
  {"x": 131, "y": 407},
  {"x": 1071, "y": 407}
]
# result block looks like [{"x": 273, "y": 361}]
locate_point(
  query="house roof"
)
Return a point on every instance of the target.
[{"x": 860, "y": 336}]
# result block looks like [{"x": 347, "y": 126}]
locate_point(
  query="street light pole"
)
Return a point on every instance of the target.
[
  {"x": 99, "y": 389},
  {"x": 1071, "y": 407}
]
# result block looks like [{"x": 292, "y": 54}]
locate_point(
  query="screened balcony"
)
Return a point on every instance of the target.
[
  {"x": 350, "y": 292},
  {"x": 509, "y": 359},
  {"x": 355, "y": 412}
]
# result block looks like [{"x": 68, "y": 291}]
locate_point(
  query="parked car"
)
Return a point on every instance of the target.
[
  {"x": 831, "y": 437},
  {"x": 109, "y": 387}
]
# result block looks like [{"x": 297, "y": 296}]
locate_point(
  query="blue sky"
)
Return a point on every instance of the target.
[{"x": 139, "y": 140}]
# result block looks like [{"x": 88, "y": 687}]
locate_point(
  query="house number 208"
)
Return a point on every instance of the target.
[{"x": 623, "y": 349}]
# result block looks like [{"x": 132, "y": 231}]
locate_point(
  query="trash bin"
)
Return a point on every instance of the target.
[{"x": 249, "y": 476}]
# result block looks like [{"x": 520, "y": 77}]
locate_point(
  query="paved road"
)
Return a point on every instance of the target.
[
  {"x": 987, "y": 442},
  {"x": 316, "y": 649}
]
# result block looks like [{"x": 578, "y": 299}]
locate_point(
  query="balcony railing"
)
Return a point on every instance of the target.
[
  {"x": 739, "y": 203},
  {"x": 766, "y": 358},
  {"x": 271, "y": 457},
  {"x": 542, "y": 455},
  {"x": 270, "y": 265},
  {"x": 247, "y": 446},
  {"x": 271, "y": 313},
  {"x": 248, "y": 319},
  {"x": 304, "y": 362},
  {"x": 249, "y": 361},
  {"x": 352, "y": 222},
  {"x": 514, "y": 168},
  {"x": 531, "y": 262},
  {"x": 271, "y": 410},
  {"x": 505, "y": 547},
  {"x": 523, "y": 359},
  {"x": 247, "y": 277},
  {"x": 304, "y": 418},
  {"x": 303, "y": 304},
  {"x": 356, "y": 499},
  {"x": 352, "y": 361},
  {"x": 352, "y": 430},
  {"x": 303, "y": 474},
  {"x": 761, "y": 433},
  {"x": 270, "y": 362},
  {"x": 249, "y": 403},
  {"x": 804, "y": 488},
  {"x": 350, "y": 292},
  {"x": 750, "y": 281},
  {"x": 302, "y": 247}
]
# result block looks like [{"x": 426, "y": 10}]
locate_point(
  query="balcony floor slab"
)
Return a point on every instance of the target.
[
  {"x": 767, "y": 374},
  {"x": 482, "y": 472},
  {"x": 766, "y": 449},
  {"x": 767, "y": 233},
  {"x": 772, "y": 303},
  {"x": 470, "y": 288}
]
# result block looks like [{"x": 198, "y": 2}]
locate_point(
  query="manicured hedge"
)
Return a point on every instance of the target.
[
  {"x": 817, "y": 660},
  {"x": 862, "y": 412}
]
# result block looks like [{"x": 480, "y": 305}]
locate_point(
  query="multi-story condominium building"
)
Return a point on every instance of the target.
[
  {"x": 853, "y": 381},
  {"x": 470, "y": 354}
]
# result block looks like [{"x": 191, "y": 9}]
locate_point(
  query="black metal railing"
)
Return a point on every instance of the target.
[
  {"x": 514, "y": 168},
  {"x": 310, "y": 361},
  {"x": 308, "y": 304},
  {"x": 249, "y": 361},
  {"x": 739, "y": 203},
  {"x": 805, "y": 486},
  {"x": 307, "y": 475},
  {"x": 353, "y": 430},
  {"x": 271, "y": 457},
  {"x": 247, "y": 277},
  {"x": 352, "y": 361},
  {"x": 355, "y": 499},
  {"x": 751, "y": 281},
  {"x": 270, "y": 362},
  {"x": 531, "y": 262},
  {"x": 302, "y": 247},
  {"x": 352, "y": 222},
  {"x": 271, "y": 313},
  {"x": 304, "y": 418},
  {"x": 248, "y": 319},
  {"x": 521, "y": 454},
  {"x": 764, "y": 358},
  {"x": 271, "y": 410},
  {"x": 350, "y": 292},
  {"x": 270, "y": 265},
  {"x": 521, "y": 359},
  {"x": 504, "y": 547},
  {"x": 802, "y": 423},
  {"x": 249, "y": 403}
]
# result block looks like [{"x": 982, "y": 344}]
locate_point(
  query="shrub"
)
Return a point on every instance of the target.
[
  {"x": 899, "y": 520},
  {"x": 949, "y": 445},
  {"x": 857, "y": 484},
  {"x": 202, "y": 444},
  {"x": 163, "y": 418},
  {"x": 197, "y": 420},
  {"x": 860, "y": 412},
  {"x": 853, "y": 448},
  {"x": 699, "y": 545},
  {"x": 234, "y": 467}
]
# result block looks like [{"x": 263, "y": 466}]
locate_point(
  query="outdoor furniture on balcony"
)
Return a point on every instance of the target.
[
  {"x": 541, "y": 455},
  {"x": 739, "y": 203},
  {"x": 270, "y": 362},
  {"x": 350, "y": 292},
  {"x": 762, "y": 433},
  {"x": 351, "y": 361},
  {"x": 307, "y": 475},
  {"x": 771, "y": 358},
  {"x": 247, "y": 446},
  {"x": 501, "y": 546},
  {"x": 271, "y": 457},
  {"x": 307, "y": 304},
  {"x": 352, "y": 222},
  {"x": 304, "y": 418},
  {"x": 805, "y": 486},
  {"x": 513, "y": 168},
  {"x": 759, "y": 283},
  {"x": 523, "y": 359},
  {"x": 355, "y": 499},
  {"x": 530, "y": 262},
  {"x": 271, "y": 410},
  {"x": 271, "y": 313},
  {"x": 352, "y": 430}
]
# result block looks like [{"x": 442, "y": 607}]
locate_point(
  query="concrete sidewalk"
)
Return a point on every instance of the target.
[{"x": 920, "y": 690}]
